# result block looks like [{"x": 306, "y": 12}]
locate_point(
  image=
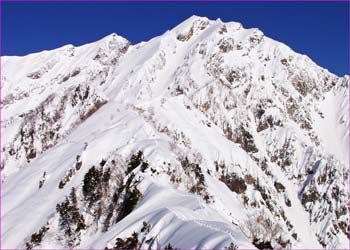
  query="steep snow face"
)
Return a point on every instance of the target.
[
  {"x": 208, "y": 136},
  {"x": 46, "y": 95}
]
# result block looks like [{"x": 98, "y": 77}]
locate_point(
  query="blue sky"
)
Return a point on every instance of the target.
[{"x": 319, "y": 30}]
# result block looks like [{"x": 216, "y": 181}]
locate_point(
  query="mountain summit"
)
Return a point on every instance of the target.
[{"x": 209, "y": 136}]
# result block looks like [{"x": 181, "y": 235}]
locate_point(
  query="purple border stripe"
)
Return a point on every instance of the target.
[
  {"x": 183, "y": 1},
  {"x": 136, "y": 1}
]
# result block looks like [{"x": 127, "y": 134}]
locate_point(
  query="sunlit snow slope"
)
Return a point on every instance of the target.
[{"x": 208, "y": 136}]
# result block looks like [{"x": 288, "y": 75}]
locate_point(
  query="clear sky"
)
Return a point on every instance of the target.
[{"x": 319, "y": 30}]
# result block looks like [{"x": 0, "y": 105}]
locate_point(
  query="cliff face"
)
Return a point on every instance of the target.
[{"x": 208, "y": 136}]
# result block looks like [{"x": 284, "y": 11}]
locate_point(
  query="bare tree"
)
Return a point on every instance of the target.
[{"x": 262, "y": 229}]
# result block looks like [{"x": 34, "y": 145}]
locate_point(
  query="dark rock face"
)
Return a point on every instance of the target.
[
  {"x": 263, "y": 245},
  {"x": 250, "y": 180},
  {"x": 312, "y": 196},
  {"x": 226, "y": 45},
  {"x": 234, "y": 183},
  {"x": 279, "y": 186},
  {"x": 185, "y": 37},
  {"x": 268, "y": 122},
  {"x": 245, "y": 139},
  {"x": 283, "y": 156}
]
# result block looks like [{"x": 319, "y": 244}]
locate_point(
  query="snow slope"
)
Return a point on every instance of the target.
[{"x": 208, "y": 136}]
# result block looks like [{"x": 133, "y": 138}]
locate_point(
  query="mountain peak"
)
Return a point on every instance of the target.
[
  {"x": 113, "y": 37},
  {"x": 192, "y": 22}
]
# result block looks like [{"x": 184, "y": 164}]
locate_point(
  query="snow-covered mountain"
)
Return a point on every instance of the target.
[{"x": 208, "y": 136}]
